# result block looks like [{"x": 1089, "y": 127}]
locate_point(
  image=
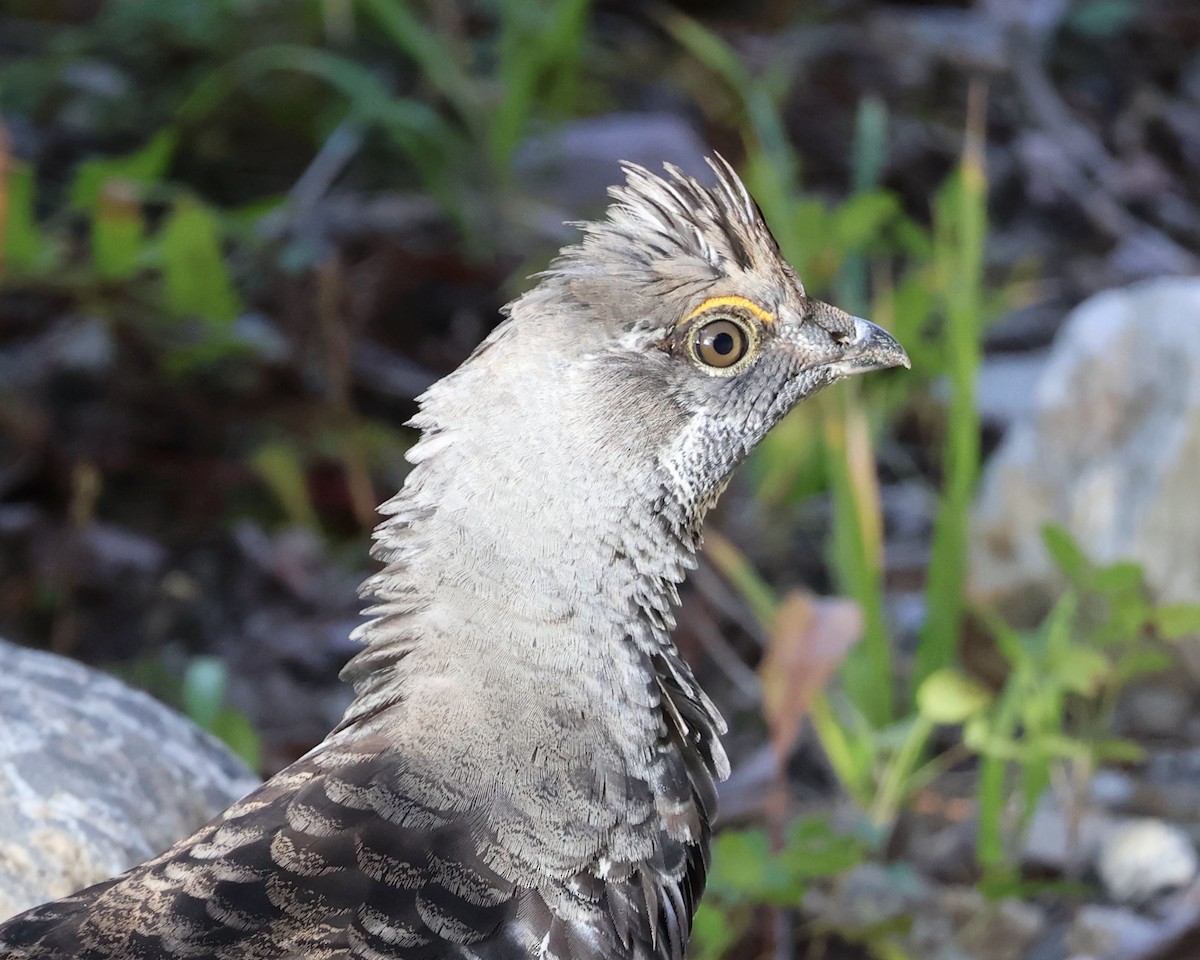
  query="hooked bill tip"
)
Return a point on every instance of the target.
[{"x": 873, "y": 348}]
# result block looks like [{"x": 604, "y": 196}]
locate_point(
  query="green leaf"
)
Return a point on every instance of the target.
[
  {"x": 910, "y": 309},
  {"x": 433, "y": 144},
  {"x": 238, "y": 733},
  {"x": 859, "y": 222},
  {"x": 1055, "y": 632},
  {"x": 744, "y": 868},
  {"x": 25, "y": 250},
  {"x": 948, "y": 696},
  {"x": 118, "y": 231},
  {"x": 436, "y": 60},
  {"x": 980, "y": 737},
  {"x": 811, "y": 224},
  {"x": 1177, "y": 620},
  {"x": 203, "y": 692},
  {"x": 714, "y": 932},
  {"x": 1013, "y": 644},
  {"x": 1054, "y": 745},
  {"x": 1065, "y": 552},
  {"x": 1139, "y": 662},
  {"x": 1124, "y": 577},
  {"x": 1079, "y": 669},
  {"x": 280, "y": 468},
  {"x": 137, "y": 170},
  {"x": 814, "y": 850},
  {"x": 1118, "y": 751},
  {"x": 194, "y": 274}
]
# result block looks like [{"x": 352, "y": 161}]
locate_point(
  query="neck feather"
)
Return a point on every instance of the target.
[{"x": 525, "y": 536}]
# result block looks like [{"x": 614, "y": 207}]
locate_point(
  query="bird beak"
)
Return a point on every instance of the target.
[{"x": 872, "y": 348}]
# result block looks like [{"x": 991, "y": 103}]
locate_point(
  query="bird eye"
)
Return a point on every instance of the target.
[{"x": 720, "y": 343}]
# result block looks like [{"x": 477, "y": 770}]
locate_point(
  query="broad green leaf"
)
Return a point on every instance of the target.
[
  {"x": 714, "y": 932},
  {"x": 948, "y": 696},
  {"x": 1054, "y": 745},
  {"x": 238, "y": 733},
  {"x": 25, "y": 250},
  {"x": 1177, "y": 620},
  {"x": 1064, "y": 551},
  {"x": 814, "y": 849},
  {"x": 138, "y": 170},
  {"x": 194, "y": 274},
  {"x": 744, "y": 868},
  {"x": 1079, "y": 669},
  {"x": 118, "y": 231},
  {"x": 1139, "y": 662},
  {"x": 980, "y": 737},
  {"x": 1117, "y": 578},
  {"x": 912, "y": 304},
  {"x": 859, "y": 221},
  {"x": 811, "y": 224},
  {"x": 204, "y": 684}
]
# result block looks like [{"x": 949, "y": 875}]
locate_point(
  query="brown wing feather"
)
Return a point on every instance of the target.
[{"x": 331, "y": 860}]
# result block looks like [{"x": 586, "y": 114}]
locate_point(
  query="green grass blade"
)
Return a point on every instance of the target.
[{"x": 960, "y": 232}]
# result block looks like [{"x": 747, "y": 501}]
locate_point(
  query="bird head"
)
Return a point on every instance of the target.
[{"x": 679, "y": 331}]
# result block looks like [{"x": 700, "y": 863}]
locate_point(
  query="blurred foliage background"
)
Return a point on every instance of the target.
[{"x": 239, "y": 237}]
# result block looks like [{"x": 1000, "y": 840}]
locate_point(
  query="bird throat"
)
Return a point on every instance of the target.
[{"x": 543, "y": 554}]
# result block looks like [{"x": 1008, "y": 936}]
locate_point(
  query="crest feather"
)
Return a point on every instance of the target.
[{"x": 674, "y": 216}]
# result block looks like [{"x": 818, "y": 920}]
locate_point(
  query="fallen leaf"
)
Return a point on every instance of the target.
[{"x": 807, "y": 640}]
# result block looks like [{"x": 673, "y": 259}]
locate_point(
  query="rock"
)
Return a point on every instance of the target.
[
  {"x": 1052, "y": 844},
  {"x": 869, "y": 895},
  {"x": 1158, "y": 710},
  {"x": 1108, "y": 931},
  {"x": 938, "y": 922},
  {"x": 1144, "y": 857},
  {"x": 1109, "y": 453},
  {"x": 1001, "y": 930},
  {"x": 95, "y": 777}
]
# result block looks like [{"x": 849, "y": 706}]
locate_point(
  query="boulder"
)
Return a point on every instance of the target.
[
  {"x": 1110, "y": 451},
  {"x": 95, "y": 777}
]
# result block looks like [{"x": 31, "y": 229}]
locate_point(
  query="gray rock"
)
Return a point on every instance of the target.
[
  {"x": 1156, "y": 709},
  {"x": 938, "y": 922},
  {"x": 1001, "y": 930},
  {"x": 94, "y": 777},
  {"x": 1142, "y": 858},
  {"x": 1053, "y": 842},
  {"x": 1109, "y": 452},
  {"x": 1108, "y": 931}
]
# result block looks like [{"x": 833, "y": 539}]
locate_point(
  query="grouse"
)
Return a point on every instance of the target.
[{"x": 527, "y": 768}]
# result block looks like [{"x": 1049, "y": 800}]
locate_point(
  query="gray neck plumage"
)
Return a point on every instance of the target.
[{"x": 534, "y": 532}]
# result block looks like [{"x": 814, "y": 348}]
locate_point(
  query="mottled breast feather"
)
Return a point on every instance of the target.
[{"x": 340, "y": 856}]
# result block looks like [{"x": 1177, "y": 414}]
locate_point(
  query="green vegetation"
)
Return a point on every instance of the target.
[
  {"x": 1049, "y": 723},
  {"x": 935, "y": 304},
  {"x": 198, "y": 689}
]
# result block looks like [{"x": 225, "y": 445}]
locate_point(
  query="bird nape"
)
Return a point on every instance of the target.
[{"x": 528, "y": 766}]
